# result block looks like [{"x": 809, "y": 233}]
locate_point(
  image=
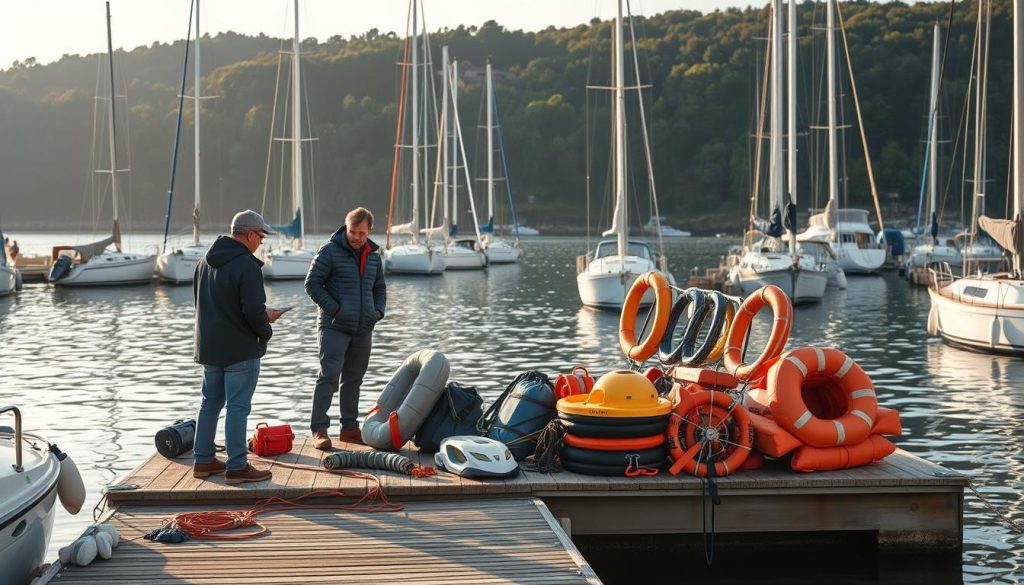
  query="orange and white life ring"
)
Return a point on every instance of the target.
[
  {"x": 822, "y": 396},
  {"x": 641, "y": 351},
  {"x": 707, "y": 427},
  {"x": 770, "y": 296}
]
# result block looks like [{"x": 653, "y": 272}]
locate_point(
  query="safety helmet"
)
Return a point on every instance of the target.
[{"x": 475, "y": 457}]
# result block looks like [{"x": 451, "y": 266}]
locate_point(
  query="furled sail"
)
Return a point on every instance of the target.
[
  {"x": 290, "y": 230},
  {"x": 1006, "y": 232}
]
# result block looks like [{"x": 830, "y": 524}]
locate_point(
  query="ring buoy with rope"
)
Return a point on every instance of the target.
[
  {"x": 708, "y": 426},
  {"x": 766, "y": 296},
  {"x": 642, "y": 351},
  {"x": 579, "y": 381},
  {"x": 620, "y": 444},
  {"x": 822, "y": 396},
  {"x": 670, "y": 355},
  {"x": 730, "y": 314}
]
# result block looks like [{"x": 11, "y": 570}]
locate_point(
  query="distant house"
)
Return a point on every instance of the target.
[{"x": 472, "y": 76}]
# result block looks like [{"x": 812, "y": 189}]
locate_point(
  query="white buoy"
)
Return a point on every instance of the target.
[
  {"x": 80, "y": 552},
  {"x": 70, "y": 487},
  {"x": 104, "y": 545},
  {"x": 115, "y": 538}
]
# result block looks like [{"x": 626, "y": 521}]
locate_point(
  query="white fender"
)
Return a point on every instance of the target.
[
  {"x": 70, "y": 487},
  {"x": 81, "y": 552},
  {"x": 104, "y": 545}
]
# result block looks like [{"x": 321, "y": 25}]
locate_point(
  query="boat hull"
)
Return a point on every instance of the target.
[
  {"x": 287, "y": 264},
  {"x": 801, "y": 286},
  {"x": 110, "y": 269},
  {"x": 413, "y": 259},
  {"x": 459, "y": 258},
  {"x": 605, "y": 286},
  {"x": 179, "y": 266},
  {"x": 501, "y": 252},
  {"x": 8, "y": 280},
  {"x": 982, "y": 314},
  {"x": 855, "y": 260},
  {"x": 27, "y": 506}
]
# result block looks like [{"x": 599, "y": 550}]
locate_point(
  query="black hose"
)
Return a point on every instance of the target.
[{"x": 370, "y": 460}]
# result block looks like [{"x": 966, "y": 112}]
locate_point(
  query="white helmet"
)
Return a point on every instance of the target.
[{"x": 475, "y": 457}]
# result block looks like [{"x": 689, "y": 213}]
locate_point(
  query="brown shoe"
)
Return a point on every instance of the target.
[
  {"x": 321, "y": 440},
  {"x": 250, "y": 473},
  {"x": 352, "y": 436},
  {"x": 204, "y": 470}
]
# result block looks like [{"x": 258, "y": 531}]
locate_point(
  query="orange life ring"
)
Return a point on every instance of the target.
[
  {"x": 771, "y": 296},
  {"x": 579, "y": 381},
  {"x": 619, "y": 444},
  {"x": 641, "y": 351},
  {"x": 717, "y": 428},
  {"x": 822, "y": 396}
]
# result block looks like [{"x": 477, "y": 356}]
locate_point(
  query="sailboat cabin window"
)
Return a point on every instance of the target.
[
  {"x": 612, "y": 249},
  {"x": 975, "y": 291}
]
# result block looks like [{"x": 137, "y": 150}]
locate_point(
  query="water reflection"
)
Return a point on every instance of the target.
[{"x": 100, "y": 370}]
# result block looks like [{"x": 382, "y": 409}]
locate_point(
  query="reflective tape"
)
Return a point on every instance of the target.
[
  {"x": 799, "y": 364},
  {"x": 868, "y": 393},
  {"x": 840, "y": 432},
  {"x": 821, "y": 359},
  {"x": 804, "y": 419},
  {"x": 846, "y": 367},
  {"x": 863, "y": 416}
]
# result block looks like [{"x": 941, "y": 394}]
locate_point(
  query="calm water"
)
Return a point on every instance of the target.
[{"x": 99, "y": 371}]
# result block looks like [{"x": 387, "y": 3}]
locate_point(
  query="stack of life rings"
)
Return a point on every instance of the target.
[
  {"x": 814, "y": 403},
  {"x": 616, "y": 429}
]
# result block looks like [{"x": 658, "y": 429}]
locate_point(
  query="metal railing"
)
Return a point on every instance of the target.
[{"x": 17, "y": 435}]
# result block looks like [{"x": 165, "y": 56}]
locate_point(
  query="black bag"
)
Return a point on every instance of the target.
[
  {"x": 455, "y": 413},
  {"x": 519, "y": 414}
]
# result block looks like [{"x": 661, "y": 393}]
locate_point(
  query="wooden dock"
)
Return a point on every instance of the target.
[
  {"x": 511, "y": 540},
  {"x": 911, "y": 505}
]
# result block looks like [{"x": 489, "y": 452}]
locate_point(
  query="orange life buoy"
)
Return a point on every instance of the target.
[
  {"x": 822, "y": 396},
  {"x": 641, "y": 351},
  {"x": 579, "y": 381},
  {"x": 619, "y": 444},
  {"x": 874, "y": 448},
  {"x": 708, "y": 427},
  {"x": 771, "y": 296}
]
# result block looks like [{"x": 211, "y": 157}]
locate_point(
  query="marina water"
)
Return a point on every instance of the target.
[{"x": 99, "y": 371}]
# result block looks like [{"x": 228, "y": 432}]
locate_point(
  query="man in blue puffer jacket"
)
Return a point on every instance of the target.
[{"x": 346, "y": 281}]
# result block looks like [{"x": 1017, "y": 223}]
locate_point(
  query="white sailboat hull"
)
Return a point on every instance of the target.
[
  {"x": 854, "y": 260},
  {"x": 179, "y": 266},
  {"x": 501, "y": 252},
  {"x": 27, "y": 506},
  {"x": 803, "y": 283},
  {"x": 605, "y": 282},
  {"x": 286, "y": 264},
  {"x": 413, "y": 259},
  {"x": 111, "y": 269},
  {"x": 8, "y": 280},
  {"x": 459, "y": 258},
  {"x": 983, "y": 314},
  {"x": 930, "y": 254}
]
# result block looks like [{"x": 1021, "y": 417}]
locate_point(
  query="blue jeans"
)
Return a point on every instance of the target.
[{"x": 234, "y": 384}]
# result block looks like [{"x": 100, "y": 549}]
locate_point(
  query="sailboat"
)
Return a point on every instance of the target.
[
  {"x": 458, "y": 252},
  {"x": 499, "y": 250},
  {"x": 932, "y": 250},
  {"x": 291, "y": 260},
  {"x": 606, "y": 274},
  {"x": 8, "y": 272},
  {"x": 411, "y": 257},
  {"x": 93, "y": 264},
  {"x": 849, "y": 230},
  {"x": 178, "y": 266},
  {"x": 766, "y": 260},
  {"x": 986, "y": 312}
]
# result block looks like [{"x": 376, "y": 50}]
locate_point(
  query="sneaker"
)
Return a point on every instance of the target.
[
  {"x": 352, "y": 436},
  {"x": 250, "y": 473},
  {"x": 204, "y": 470},
  {"x": 321, "y": 440}
]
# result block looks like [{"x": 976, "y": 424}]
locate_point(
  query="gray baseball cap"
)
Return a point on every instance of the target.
[{"x": 249, "y": 220}]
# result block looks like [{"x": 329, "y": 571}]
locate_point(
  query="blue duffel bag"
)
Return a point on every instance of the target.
[
  {"x": 455, "y": 413},
  {"x": 520, "y": 413}
]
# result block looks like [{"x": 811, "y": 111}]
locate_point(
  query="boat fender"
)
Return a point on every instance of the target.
[
  {"x": 933, "y": 320},
  {"x": 19, "y": 282},
  {"x": 176, "y": 439},
  {"x": 640, "y": 351},
  {"x": 407, "y": 400},
  {"x": 81, "y": 552},
  {"x": 694, "y": 302},
  {"x": 104, "y": 545},
  {"x": 70, "y": 487}
]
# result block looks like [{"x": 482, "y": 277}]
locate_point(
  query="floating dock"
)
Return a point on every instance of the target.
[{"x": 905, "y": 504}]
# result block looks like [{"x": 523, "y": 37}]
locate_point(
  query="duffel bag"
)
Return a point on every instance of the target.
[
  {"x": 519, "y": 414},
  {"x": 455, "y": 413}
]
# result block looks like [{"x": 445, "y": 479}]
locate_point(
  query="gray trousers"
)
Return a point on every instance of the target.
[{"x": 343, "y": 359}]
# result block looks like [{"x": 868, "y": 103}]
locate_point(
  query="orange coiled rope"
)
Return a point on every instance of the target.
[{"x": 206, "y": 525}]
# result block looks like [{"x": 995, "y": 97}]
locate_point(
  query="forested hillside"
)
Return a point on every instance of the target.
[{"x": 703, "y": 71}]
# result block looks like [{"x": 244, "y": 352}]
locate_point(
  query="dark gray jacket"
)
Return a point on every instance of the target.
[
  {"x": 349, "y": 298},
  {"x": 231, "y": 305}
]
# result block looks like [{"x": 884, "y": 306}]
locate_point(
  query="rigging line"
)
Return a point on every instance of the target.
[
  {"x": 398, "y": 133},
  {"x": 312, "y": 164},
  {"x": 281, "y": 161},
  {"x": 504, "y": 167},
  {"x": 942, "y": 78},
  {"x": 89, "y": 191},
  {"x": 961, "y": 131},
  {"x": 273, "y": 121},
  {"x": 177, "y": 129},
  {"x": 860, "y": 122}
]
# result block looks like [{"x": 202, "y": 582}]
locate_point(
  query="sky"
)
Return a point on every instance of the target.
[{"x": 47, "y": 29}]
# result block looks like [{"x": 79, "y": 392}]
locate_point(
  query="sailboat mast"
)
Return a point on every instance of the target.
[
  {"x": 195, "y": 113},
  {"x": 446, "y": 122},
  {"x": 297, "y": 133},
  {"x": 1018, "y": 123},
  {"x": 490, "y": 146},
  {"x": 830, "y": 56},
  {"x": 620, "y": 141},
  {"x": 415, "y": 121},
  {"x": 775, "y": 121},
  {"x": 791, "y": 107},
  {"x": 933, "y": 131},
  {"x": 980, "y": 103},
  {"x": 455, "y": 143},
  {"x": 113, "y": 144}
]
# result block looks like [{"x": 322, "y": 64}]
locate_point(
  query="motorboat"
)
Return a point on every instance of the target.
[
  {"x": 33, "y": 475},
  {"x": 656, "y": 226}
]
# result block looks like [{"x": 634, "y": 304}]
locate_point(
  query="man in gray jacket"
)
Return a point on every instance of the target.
[{"x": 346, "y": 281}]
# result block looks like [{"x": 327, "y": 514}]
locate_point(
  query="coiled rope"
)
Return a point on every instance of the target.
[{"x": 545, "y": 455}]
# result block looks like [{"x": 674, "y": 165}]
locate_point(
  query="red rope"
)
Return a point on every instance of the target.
[{"x": 206, "y": 524}]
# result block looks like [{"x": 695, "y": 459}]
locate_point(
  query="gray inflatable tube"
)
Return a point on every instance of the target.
[{"x": 406, "y": 400}]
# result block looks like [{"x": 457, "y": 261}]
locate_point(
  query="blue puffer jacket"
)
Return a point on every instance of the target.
[{"x": 349, "y": 301}]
